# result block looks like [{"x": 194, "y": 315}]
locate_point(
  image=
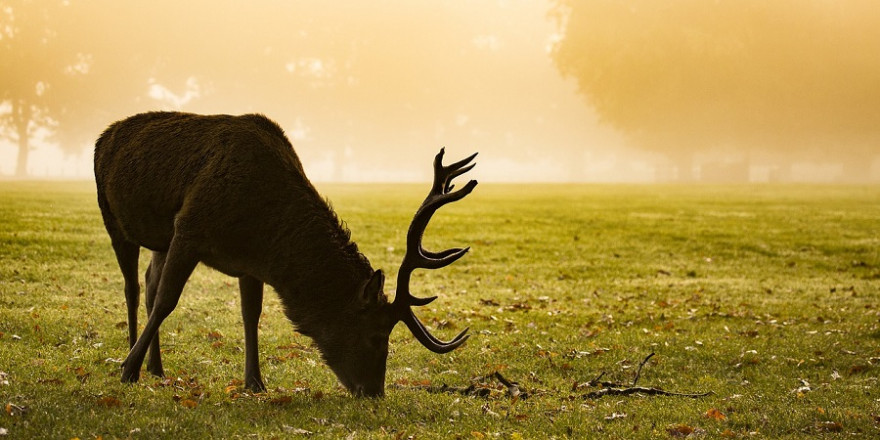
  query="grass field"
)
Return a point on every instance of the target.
[{"x": 765, "y": 296}]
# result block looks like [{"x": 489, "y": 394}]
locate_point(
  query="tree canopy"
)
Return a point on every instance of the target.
[
  {"x": 798, "y": 76},
  {"x": 386, "y": 80}
]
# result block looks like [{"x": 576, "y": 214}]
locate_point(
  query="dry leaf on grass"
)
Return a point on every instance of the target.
[
  {"x": 713, "y": 413},
  {"x": 189, "y": 403},
  {"x": 109, "y": 402}
]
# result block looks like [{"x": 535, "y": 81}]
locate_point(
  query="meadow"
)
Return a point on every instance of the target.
[{"x": 764, "y": 297}]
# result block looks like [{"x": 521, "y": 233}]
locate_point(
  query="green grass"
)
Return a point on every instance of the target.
[{"x": 750, "y": 292}]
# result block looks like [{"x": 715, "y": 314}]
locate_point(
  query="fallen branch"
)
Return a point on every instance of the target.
[
  {"x": 483, "y": 386},
  {"x": 614, "y": 389},
  {"x": 512, "y": 387},
  {"x": 639, "y": 372}
]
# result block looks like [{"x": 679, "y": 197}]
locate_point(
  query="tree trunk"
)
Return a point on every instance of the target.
[{"x": 22, "y": 119}]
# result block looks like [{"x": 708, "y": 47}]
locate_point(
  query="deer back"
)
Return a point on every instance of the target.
[{"x": 232, "y": 185}]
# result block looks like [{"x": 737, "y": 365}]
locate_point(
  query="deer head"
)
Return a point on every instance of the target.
[{"x": 359, "y": 358}]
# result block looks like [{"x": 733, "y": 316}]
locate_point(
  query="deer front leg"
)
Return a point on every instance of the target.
[
  {"x": 251, "y": 309},
  {"x": 127, "y": 256},
  {"x": 154, "y": 274},
  {"x": 179, "y": 265}
]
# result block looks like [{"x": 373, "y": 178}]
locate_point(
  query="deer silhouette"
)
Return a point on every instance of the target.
[{"x": 230, "y": 192}]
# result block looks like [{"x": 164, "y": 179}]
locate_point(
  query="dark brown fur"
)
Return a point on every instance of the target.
[{"x": 230, "y": 192}]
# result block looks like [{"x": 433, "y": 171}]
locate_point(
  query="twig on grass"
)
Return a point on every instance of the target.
[
  {"x": 639, "y": 371},
  {"x": 482, "y": 386},
  {"x": 512, "y": 387},
  {"x": 614, "y": 389}
]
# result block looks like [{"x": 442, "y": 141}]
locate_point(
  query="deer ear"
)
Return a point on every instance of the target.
[{"x": 373, "y": 290}]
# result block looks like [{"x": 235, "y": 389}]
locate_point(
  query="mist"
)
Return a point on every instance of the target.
[{"x": 555, "y": 91}]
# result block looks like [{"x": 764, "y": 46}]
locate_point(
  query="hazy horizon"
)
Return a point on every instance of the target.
[{"x": 546, "y": 91}]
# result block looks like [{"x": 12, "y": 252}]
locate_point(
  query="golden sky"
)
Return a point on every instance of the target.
[{"x": 370, "y": 90}]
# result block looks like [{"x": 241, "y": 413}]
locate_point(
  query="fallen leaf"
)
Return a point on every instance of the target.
[
  {"x": 4, "y": 432},
  {"x": 413, "y": 383},
  {"x": 215, "y": 335},
  {"x": 519, "y": 306},
  {"x": 296, "y": 431},
  {"x": 81, "y": 374},
  {"x": 15, "y": 410},
  {"x": 830, "y": 426},
  {"x": 680, "y": 430},
  {"x": 713, "y": 413},
  {"x": 281, "y": 400},
  {"x": 109, "y": 402},
  {"x": 188, "y": 403},
  {"x": 749, "y": 333},
  {"x": 859, "y": 368}
]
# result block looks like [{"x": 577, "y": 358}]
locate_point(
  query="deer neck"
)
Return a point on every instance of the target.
[{"x": 319, "y": 280}]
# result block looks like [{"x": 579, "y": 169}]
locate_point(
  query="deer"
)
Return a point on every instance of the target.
[{"x": 230, "y": 192}]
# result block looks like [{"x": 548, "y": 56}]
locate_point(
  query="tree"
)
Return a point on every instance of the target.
[
  {"x": 384, "y": 82},
  {"x": 26, "y": 45},
  {"x": 680, "y": 77},
  {"x": 60, "y": 85}
]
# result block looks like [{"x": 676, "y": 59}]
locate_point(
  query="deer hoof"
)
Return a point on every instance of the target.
[
  {"x": 255, "y": 384},
  {"x": 156, "y": 369},
  {"x": 129, "y": 376}
]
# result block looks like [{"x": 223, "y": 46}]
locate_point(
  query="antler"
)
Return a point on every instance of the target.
[{"x": 418, "y": 258}]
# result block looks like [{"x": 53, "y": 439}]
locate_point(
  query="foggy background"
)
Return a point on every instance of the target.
[{"x": 559, "y": 91}]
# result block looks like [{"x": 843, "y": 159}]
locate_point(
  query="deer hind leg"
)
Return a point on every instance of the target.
[
  {"x": 180, "y": 261},
  {"x": 251, "y": 308},
  {"x": 154, "y": 274},
  {"x": 127, "y": 254}
]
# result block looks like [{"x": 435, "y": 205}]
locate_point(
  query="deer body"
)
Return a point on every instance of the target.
[{"x": 230, "y": 192}]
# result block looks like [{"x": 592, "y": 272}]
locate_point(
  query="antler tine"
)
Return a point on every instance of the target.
[
  {"x": 428, "y": 340},
  {"x": 417, "y": 257},
  {"x": 443, "y": 175},
  {"x": 446, "y": 253}
]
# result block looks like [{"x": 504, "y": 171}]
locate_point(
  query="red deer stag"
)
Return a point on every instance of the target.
[{"x": 230, "y": 192}]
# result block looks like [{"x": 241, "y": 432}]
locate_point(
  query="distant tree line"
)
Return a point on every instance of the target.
[{"x": 781, "y": 81}]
